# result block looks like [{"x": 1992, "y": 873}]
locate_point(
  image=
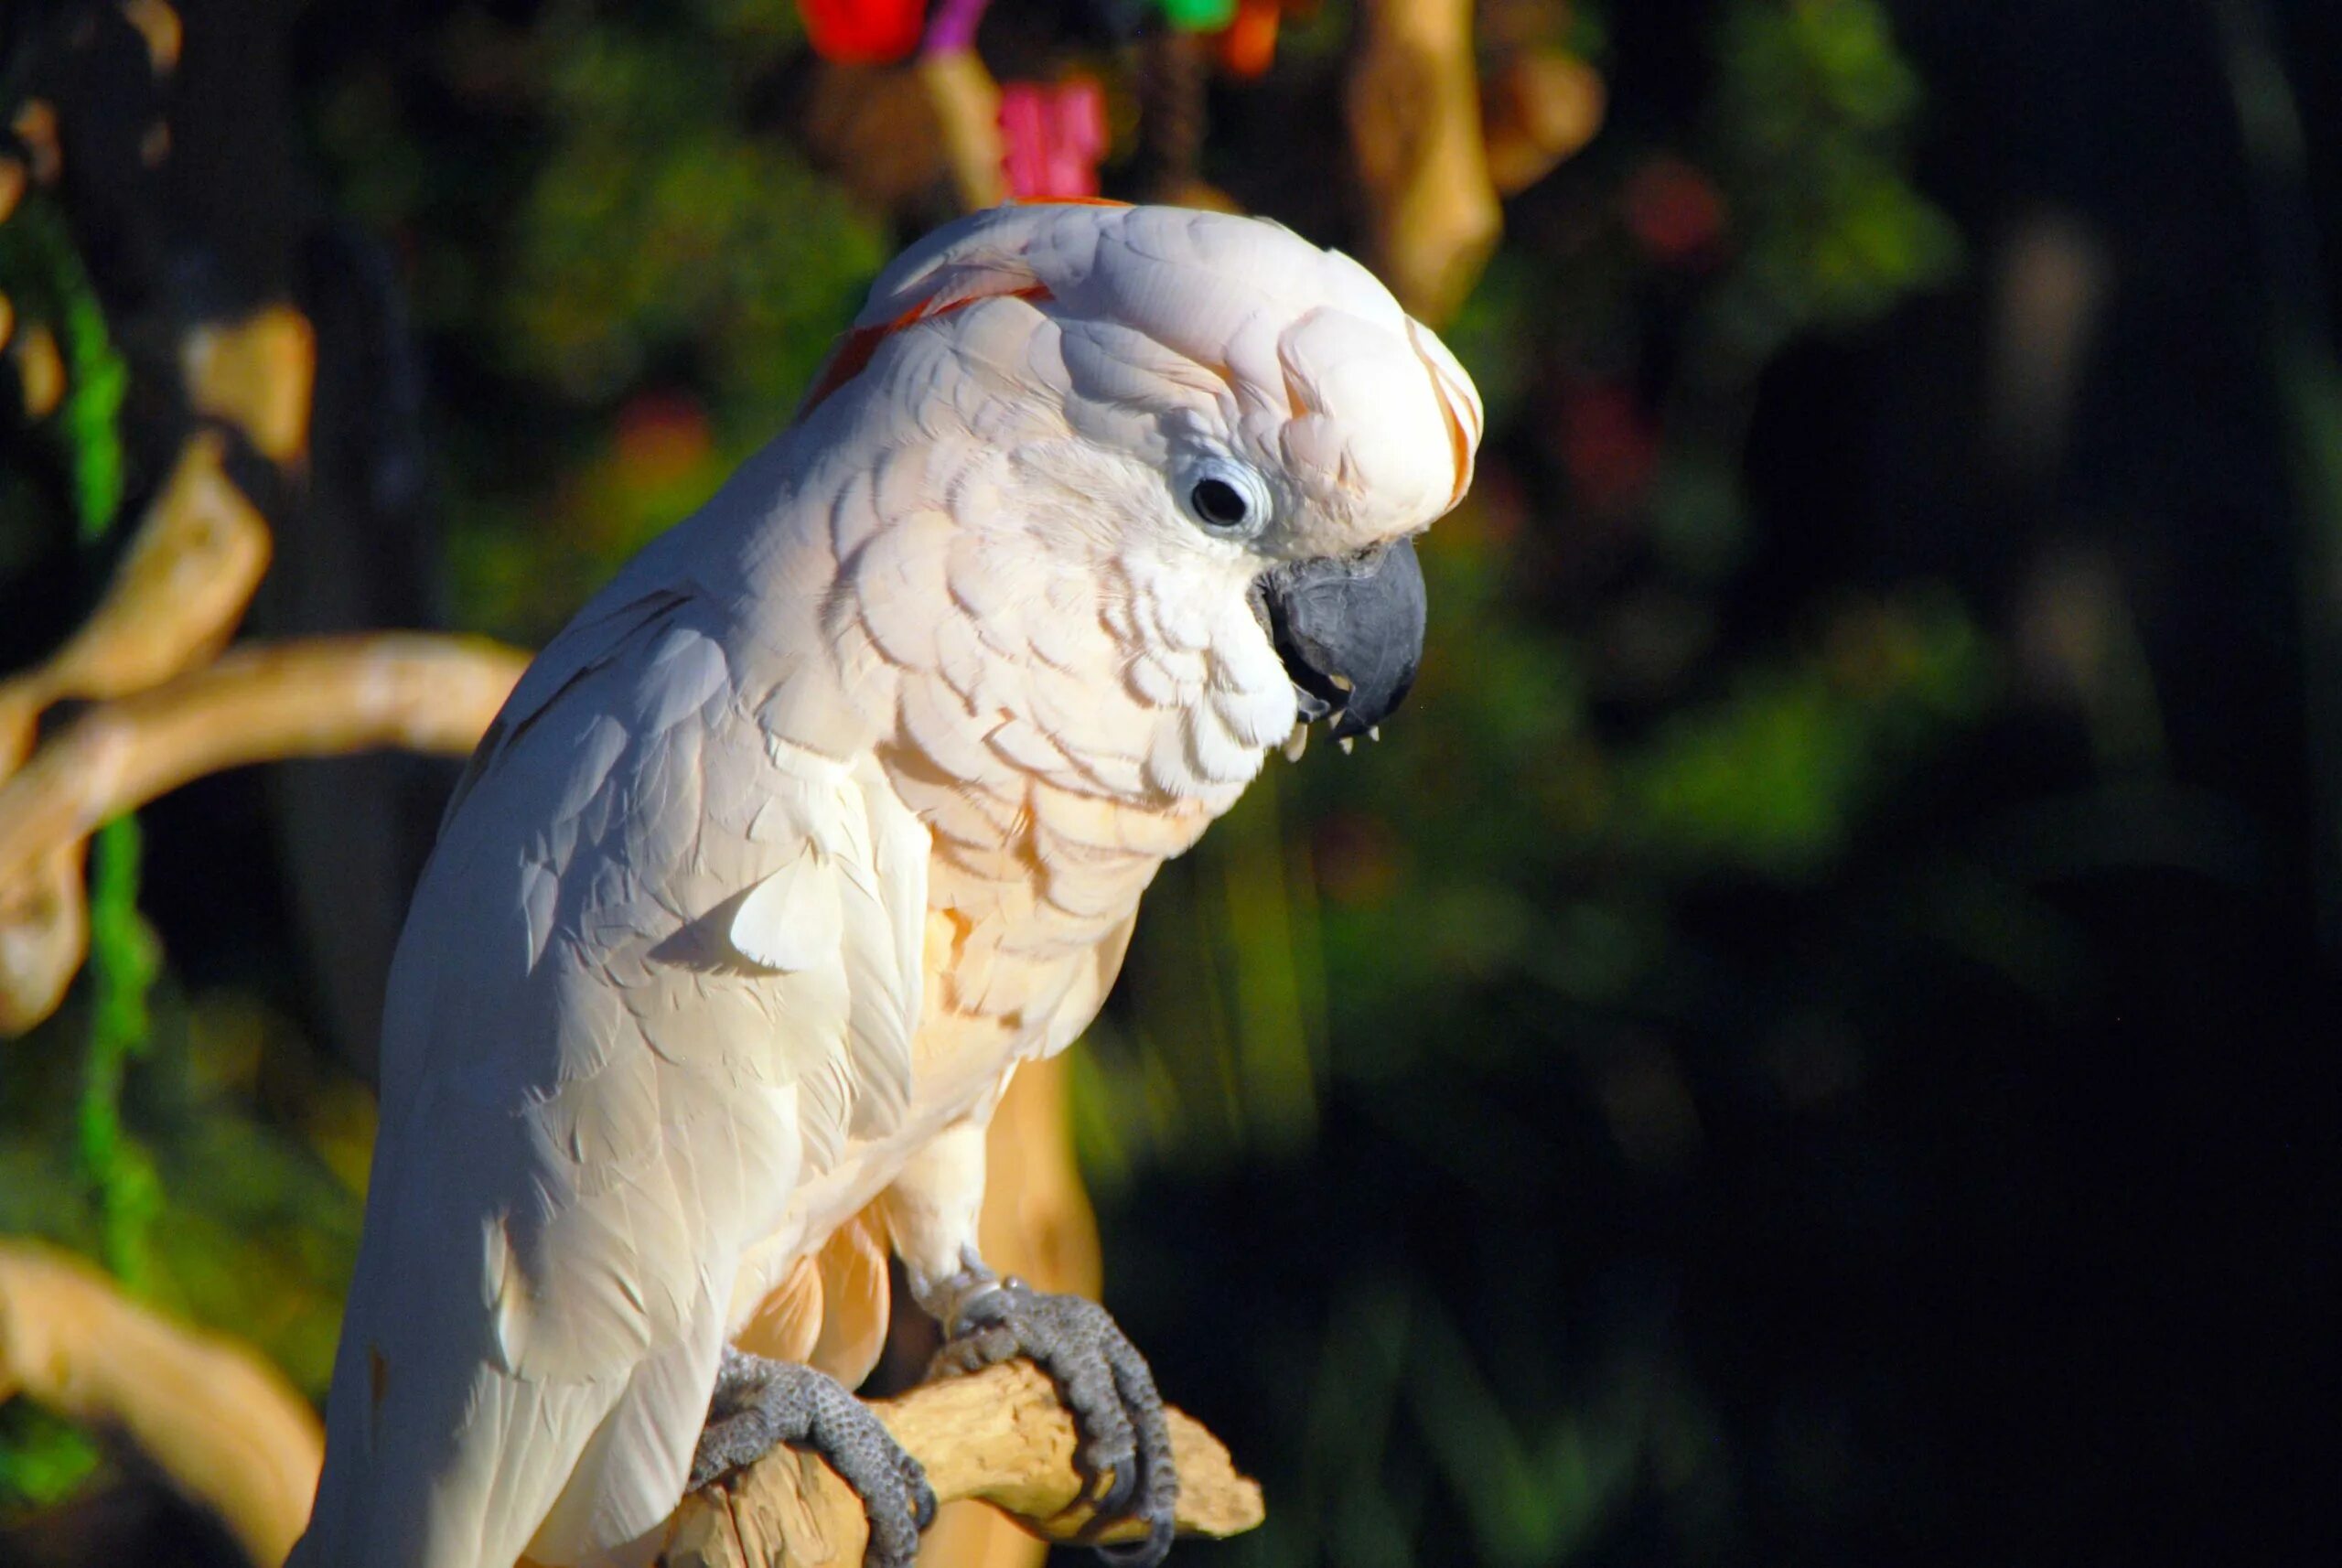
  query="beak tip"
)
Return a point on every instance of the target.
[{"x": 1350, "y": 633}]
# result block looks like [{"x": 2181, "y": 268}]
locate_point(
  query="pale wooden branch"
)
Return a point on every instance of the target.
[
  {"x": 1415, "y": 121},
  {"x": 256, "y": 374},
  {"x": 999, "y": 1435},
  {"x": 1539, "y": 110},
  {"x": 181, "y": 587},
  {"x": 966, "y": 102},
  {"x": 258, "y": 702},
  {"x": 44, "y": 934},
  {"x": 214, "y": 1417},
  {"x": 175, "y": 597}
]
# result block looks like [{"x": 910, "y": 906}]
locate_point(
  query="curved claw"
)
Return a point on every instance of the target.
[
  {"x": 1141, "y": 1553},
  {"x": 1125, "y": 1452},
  {"x": 922, "y": 1496},
  {"x": 759, "y": 1405}
]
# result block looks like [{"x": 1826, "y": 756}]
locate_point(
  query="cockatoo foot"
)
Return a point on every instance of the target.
[
  {"x": 1103, "y": 1380},
  {"x": 760, "y": 1404}
]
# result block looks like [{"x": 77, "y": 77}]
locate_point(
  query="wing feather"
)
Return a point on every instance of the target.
[{"x": 617, "y": 1038}]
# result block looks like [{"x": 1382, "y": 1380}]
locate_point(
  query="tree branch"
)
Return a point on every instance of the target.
[
  {"x": 999, "y": 1435},
  {"x": 214, "y": 1417},
  {"x": 1415, "y": 121},
  {"x": 258, "y": 702},
  {"x": 966, "y": 102}
]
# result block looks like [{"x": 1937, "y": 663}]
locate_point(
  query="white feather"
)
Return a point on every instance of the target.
[{"x": 791, "y": 919}]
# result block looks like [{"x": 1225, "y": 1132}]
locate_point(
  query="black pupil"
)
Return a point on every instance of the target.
[{"x": 1219, "y": 502}]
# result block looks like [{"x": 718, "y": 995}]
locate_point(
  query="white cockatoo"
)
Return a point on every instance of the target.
[{"x": 832, "y": 809}]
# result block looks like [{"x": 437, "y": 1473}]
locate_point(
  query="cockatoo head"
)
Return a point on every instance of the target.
[{"x": 1205, "y": 411}]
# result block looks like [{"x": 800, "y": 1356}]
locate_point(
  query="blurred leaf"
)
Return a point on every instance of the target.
[
  {"x": 1530, "y": 1497},
  {"x": 1812, "y": 104},
  {"x": 1774, "y": 778},
  {"x": 43, "y": 1460}
]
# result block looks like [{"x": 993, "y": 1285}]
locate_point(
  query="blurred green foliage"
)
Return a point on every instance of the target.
[
  {"x": 1811, "y": 130},
  {"x": 246, "y": 1208},
  {"x": 49, "y": 283},
  {"x": 42, "y": 1459},
  {"x": 638, "y": 271},
  {"x": 114, "y": 1138},
  {"x": 123, "y": 961}
]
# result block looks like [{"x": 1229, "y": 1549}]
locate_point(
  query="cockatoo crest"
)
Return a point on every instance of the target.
[{"x": 1218, "y": 332}]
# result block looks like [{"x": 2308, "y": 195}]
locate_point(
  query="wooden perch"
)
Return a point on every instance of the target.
[
  {"x": 999, "y": 1435},
  {"x": 1415, "y": 121},
  {"x": 166, "y": 713},
  {"x": 214, "y": 1417},
  {"x": 966, "y": 102},
  {"x": 256, "y": 374},
  {"x": 321, "y": 697},
  {"x": 175, "y": 599},
  {"x": 1537, "y": 110}
]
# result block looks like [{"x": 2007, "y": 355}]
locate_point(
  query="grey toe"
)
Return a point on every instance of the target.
[
  {"x": 760, "y": 1404},
  {"x": 1104, "y": 1382}
]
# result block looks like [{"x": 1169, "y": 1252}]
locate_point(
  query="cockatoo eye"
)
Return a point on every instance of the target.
[
  {"x": 1226, "y": 498},
  {"x": 1219, "y": 503}
]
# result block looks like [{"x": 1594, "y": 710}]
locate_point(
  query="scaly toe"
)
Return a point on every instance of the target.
[
  {"x": 1125, "y": 1448},
  {"x": 759, "y": 1405}
]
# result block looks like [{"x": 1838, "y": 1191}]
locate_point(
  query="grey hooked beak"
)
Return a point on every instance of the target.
[{"x": 1350, "y": 632}]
